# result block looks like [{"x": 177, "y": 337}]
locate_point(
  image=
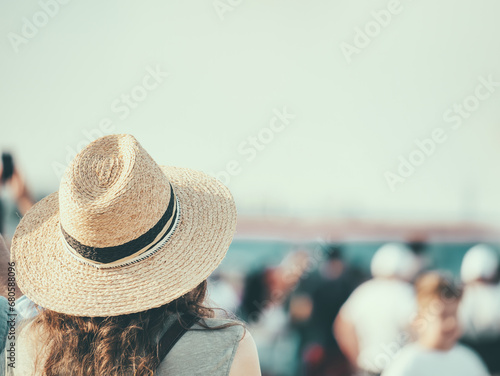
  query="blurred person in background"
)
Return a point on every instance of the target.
[
  {"x": 265, "y": 307},
  {"x": 313, "y": 308},
  {"x": 373, "y": 324},
  {"x": 436, "y": 351},
  {"x": 418, "y": 243},
  {"x": 224, "y": 290},
  {"x": 479, "y": 310},
  {"x": 11, "y": 178}
]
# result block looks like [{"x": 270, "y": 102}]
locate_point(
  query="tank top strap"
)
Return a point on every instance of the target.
[{"x": 174, "y": 333}]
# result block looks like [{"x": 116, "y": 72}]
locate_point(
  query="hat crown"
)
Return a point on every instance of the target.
[{"x": 112, "y": 193}]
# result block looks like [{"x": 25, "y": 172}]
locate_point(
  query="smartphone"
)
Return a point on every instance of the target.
[{"x": 8, "y": 167}]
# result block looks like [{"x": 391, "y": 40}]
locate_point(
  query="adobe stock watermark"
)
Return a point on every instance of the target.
[
  {"x": 454, "y": 116},
  {"x": 363, "y": 37},
  {"x": 122, "y": 107},
  {"x": 31, "y": 26},
  {"x": 10, "y": 343},
  {"x": 221, "y": 7},
  {"x": 253, "y": 145}
]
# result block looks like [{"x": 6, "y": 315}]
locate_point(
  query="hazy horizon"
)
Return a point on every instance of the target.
[{"x": 196, "y": 87}]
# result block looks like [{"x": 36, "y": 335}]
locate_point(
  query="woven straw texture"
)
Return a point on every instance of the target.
[{"x": 112, "y": 193}]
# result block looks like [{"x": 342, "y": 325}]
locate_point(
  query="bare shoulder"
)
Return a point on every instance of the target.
[{"x": 246, "y": 359}]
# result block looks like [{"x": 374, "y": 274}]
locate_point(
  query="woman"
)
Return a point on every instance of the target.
[{"x": 118, "y": 259}]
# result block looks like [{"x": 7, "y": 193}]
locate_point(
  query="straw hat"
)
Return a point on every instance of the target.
[{"x": 123, "y": 234}]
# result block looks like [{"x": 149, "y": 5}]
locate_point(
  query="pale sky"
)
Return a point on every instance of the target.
[{"x": 230, "y": 68}]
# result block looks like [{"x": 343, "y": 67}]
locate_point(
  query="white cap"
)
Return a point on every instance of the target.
[
  {"x": 480, "y": 262},
  {"x": 394, "y": 260}
]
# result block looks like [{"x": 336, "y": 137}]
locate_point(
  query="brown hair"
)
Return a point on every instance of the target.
[
  {"x": 435, "y": 285},
  {"x": 111, "y": 346}
]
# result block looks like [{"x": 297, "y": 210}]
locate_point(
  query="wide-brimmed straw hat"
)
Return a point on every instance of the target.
[{"x": 122, "y": 234}]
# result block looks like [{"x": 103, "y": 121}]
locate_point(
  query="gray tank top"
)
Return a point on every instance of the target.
[
  {"x": 198, "y": 352},
  {"x": 201, "y": 351}
]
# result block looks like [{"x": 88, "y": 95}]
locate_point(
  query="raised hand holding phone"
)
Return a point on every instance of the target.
[{"x": 11, "y": 177}]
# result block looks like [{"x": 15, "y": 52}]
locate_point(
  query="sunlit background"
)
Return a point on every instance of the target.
[{"x": 354, "y": 123}]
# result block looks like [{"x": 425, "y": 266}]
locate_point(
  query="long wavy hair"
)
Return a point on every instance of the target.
[{"x": 111, "y": 346}]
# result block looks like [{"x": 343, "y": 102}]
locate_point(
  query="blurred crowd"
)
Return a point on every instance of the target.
[{"x": 315, "y": 314}]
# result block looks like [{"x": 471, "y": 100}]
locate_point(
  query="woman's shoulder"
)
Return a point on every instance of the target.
[
  {"x": 228, "y": 332},
  {"x": 219, "y": 322},
  {"x": 28, "y": 344}
]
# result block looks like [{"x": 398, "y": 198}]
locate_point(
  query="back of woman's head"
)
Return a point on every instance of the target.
[
  {"x": 112, "y": 346},
  {"x": 110, "y": 253}
]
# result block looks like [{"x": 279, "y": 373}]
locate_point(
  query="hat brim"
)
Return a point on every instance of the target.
[{"x": 51, "y": 277}]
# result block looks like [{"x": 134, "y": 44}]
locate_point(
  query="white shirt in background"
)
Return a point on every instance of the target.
[
  {"x": 381, "y": 311},
  {"x": 415, "y": 360},
  {"x": 479, "y": 312}
]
